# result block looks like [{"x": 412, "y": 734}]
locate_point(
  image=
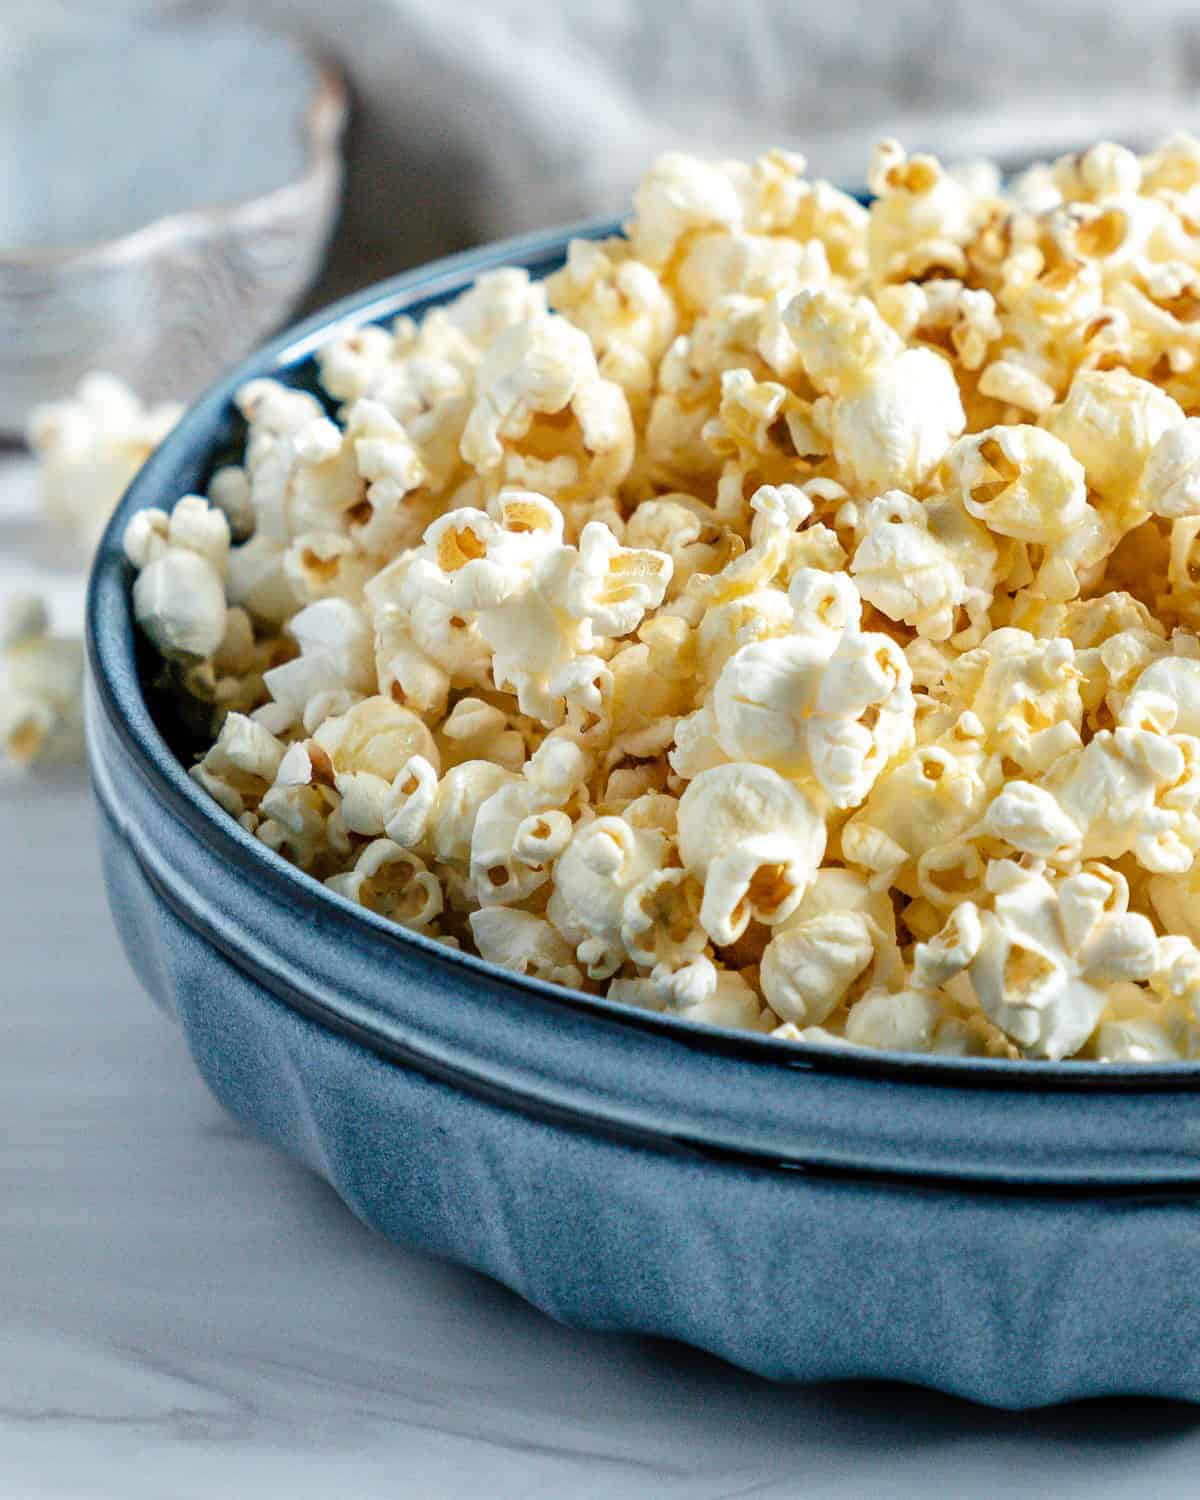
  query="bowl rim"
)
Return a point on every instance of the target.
[
  {"x": 322, "y": 124},
  {"x": 110, "y": 641}
]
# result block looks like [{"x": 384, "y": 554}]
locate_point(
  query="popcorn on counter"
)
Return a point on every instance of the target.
[
  {"x": 41, "y": 687},
  {"x": 89, "y": 447},
  {"x": 784, "y": 617}
]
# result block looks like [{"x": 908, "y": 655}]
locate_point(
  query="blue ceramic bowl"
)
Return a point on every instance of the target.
[{"x": 1016, "y": 1233}]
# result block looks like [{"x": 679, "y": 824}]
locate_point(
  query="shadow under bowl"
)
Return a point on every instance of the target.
[{"x": 1016, "y": 1233}]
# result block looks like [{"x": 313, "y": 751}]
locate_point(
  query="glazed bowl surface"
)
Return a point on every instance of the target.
[
  {"x": 1017, "y": 1233},
  {"x": 170, "y": 188}
]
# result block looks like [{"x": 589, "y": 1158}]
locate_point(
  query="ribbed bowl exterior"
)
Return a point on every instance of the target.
[{"x": 1016, "y": 1233}]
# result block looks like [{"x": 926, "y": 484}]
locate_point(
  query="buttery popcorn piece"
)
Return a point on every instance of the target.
[
  {"x": 604, "y": 861},
  {"x": 827, "y": 702},
  {"x": 1044, "y": 953},
  {"x": 393, "y": 882},
  {"x": 754, "y": 839},
  {"x": 895, "y": 410}
]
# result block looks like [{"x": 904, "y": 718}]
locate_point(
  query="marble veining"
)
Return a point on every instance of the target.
[{"x": 184, "y": 1313}]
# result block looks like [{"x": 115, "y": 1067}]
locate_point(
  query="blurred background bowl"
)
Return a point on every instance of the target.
[{"x": 170, "y": 190}]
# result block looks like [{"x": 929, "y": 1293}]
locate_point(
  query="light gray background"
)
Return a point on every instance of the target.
[{"x": 185, "y": 1314}]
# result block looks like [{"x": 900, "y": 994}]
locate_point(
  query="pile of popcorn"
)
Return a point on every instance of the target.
[{"x": 784, "y": 617}]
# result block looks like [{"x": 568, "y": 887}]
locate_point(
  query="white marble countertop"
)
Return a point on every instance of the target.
[{"x": 184, "y": 1313}]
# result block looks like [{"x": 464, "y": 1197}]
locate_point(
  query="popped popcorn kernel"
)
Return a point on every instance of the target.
[
  {"x": 1043, "y": 952},
  {"x": 393, "y": 882},
  {"x": 754, "y": 839}
]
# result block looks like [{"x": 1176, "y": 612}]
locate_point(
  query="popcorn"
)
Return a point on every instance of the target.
[
  {"x": 353, "y": 365},
  {"x": 420, "y": 373},
  {"x": 524, "y": 943},
  {"x": 1020, "y": 688},
  {"x": 1132, "y": 791},
  {"x": 925, "y": 802},
  {"x": 536, "y": 604},
  {"x": 325, "y": 565},
  {"x": 461, "y": 793},
  {"x": 1170, "y": 479},
  {"x": 544, "y": 418},
  {"x": 719, "y": 264},
  {"x": 827, "y": 702},
  {"x": 660, "y": 922},
  {"x": 921, "y": 218},
  {"x": 397, "y": 504},
  {"x": 677, "y": 196},
  {"x": 903, "y": 1022},
  {"x": 1020, "y": 482},
  {"x": 179, "y": 601},
  {"x": 240, "y": 767},
  {"x": 807, "y": 969},
  {"x": 393, "y": 882},
  {"x": 422, "y": 643},
  {"x": 895, "y": 410},
  {"x": 754, "y": 840},
  {"x": 642, "y": 710},
  {"x": 731, "y": 1002},
  {"x": 1176, "y": 977},
  {"x": 1166, "y": 1032},
  {"x": 335, "y": 654},
  {"x": 1016, "y": 384},
  {"x": 41, "y": 688},
  {"x": 365, "y": 802},
  {"x": 921, "y": 562},
  {"x": 259, "y": 581},
  {"x": 411, "y": 801},
  {"x": 945, "y": 311},
  {"x": 689, "y": 389},
  {"x": 376, "y": 736},
  {"x": 1167, "y": 695},
  {"x": 1135, "y": 1041},
  {"x": 511, "y": 852},
  {"x": 838, "y": 930},
  {"x": 299, "y": 464},
  {"x": 784, "y": 618},
  {"x": 612, "y": 586},
  {"x": 1043, "y": 953},
  {"x": 300, "y": 817},
  {"x": 761, "y": 423},
  {"x": 1111, "y": 421},
  {"x": 89, "y": 447},
  {"x": 179, "y": 593},
  {"x": 605, "y": 860},
  {"x": 622, "y": 306},
  {"x": 1032, "y": 821}
]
